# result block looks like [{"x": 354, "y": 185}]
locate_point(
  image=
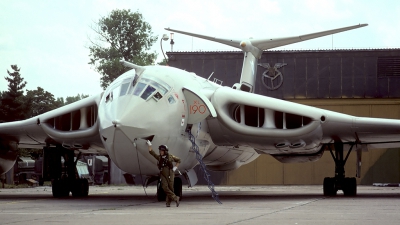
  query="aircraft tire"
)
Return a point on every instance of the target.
[
  {"x": 329, "y": 186},
  {"x": 350, "y": 186},
  {"x": 59, "y": 188},
  {"x": 80, "y": 188},
  {"x": 178, "y": 187}
]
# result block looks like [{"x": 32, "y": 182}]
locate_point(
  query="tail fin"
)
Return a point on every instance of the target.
[{"x": 253, "y": 49}]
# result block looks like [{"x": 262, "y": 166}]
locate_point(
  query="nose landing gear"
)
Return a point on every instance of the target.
[{"x": 347, "y": 184}]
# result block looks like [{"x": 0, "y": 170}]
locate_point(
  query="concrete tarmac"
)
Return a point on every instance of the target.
[{"x": 241, "y": 205}]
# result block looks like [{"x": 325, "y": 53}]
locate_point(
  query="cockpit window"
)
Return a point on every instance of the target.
[
  {"x": 124, "y": 88},
  {"x": 162, "y": 88},
  {"x": 171, "y": 99},
  {"x": 157, "y": 96},
  {"x": 152, "y": 87},
  {"x": 109, "y": 97},
  {"x": 148, "y": 92},
  {"x": 139, "y": 88}
]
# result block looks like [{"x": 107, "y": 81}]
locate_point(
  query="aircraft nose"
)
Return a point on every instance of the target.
[
  {"x": 124, "y": 126},
  {"x": 128, "y": 114},
  {"x": 126, "y": 157}
]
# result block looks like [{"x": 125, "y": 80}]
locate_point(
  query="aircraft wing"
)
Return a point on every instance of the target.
[
  {"x": 274, "y": 126},
  {"x": 73, "y": 126}
]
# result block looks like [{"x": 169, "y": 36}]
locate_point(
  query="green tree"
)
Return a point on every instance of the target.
[
  {"x": 164, "y": 62},
  {"x": 39, "y": 101},
  {"x": 120, "y": 35},
  {"x": 59, "y": 102},
  {"x": 12, "y": 101},
  {"x": 71, "y": 99},
  {"x": 14, "y": 105}
]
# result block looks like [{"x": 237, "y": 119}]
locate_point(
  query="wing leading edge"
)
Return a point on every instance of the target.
[
  {"x": 275, "y": 126},
  {"x": 73, "y": 126}
]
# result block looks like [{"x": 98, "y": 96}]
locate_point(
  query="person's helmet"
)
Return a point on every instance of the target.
[{"x": 163, "y": 147}]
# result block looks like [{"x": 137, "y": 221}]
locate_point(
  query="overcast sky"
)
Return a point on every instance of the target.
[{"x": 48, "y": 40}]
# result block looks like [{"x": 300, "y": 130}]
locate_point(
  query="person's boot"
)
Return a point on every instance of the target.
[
  {"x": 177, "y": 201},
  {"x": 168, "y": 204}
]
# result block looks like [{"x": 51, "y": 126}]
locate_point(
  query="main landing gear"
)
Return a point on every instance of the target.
[
  {"x": 347, "y": 184},
  {"x": 64, "y": 177}
]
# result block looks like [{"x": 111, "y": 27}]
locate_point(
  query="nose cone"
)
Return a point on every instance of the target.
[
  {"x": 126, "y": 114},
  {"x": 131, "y": 116},
  {"x": 123, "y": 124}
]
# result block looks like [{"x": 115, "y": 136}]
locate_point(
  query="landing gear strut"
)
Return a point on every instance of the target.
[
  {"x": 347, "y": 184},
  {"x": 64, "y": 178}
]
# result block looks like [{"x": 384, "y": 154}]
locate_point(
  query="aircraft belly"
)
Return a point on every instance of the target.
[
  {"x": 225, "y": 158},
  {"x": 230, "y": 155},
  {"x": 215, "y": 154}
]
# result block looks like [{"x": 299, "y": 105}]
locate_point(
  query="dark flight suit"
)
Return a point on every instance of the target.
[{"x": 167, "y": 175}]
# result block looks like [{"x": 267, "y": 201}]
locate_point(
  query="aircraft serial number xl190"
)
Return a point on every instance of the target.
[{"x": 223, "y": 127}]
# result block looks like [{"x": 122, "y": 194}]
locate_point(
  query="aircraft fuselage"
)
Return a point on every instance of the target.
[{"x": 154, "y": 106}]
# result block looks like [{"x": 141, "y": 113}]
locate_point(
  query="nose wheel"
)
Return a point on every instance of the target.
[{"x": 347, "y": 184}]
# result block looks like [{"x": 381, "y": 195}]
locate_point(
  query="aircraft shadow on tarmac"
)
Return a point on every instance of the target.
[{"x": 198, "y": 196}]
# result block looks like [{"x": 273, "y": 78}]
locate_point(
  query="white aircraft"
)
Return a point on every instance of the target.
[{"x": 197, "y": 119}]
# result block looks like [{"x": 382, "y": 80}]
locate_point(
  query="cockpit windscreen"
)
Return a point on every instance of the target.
[{"x": 147, "y": 86}]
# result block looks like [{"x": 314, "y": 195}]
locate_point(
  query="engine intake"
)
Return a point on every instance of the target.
[{"x": 269, "y": 125}]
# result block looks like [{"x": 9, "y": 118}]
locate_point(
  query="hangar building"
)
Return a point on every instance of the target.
[{"x": 362, "y": 82}]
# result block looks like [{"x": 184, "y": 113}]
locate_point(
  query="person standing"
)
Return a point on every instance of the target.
[{"x": 167, "y": 171}]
